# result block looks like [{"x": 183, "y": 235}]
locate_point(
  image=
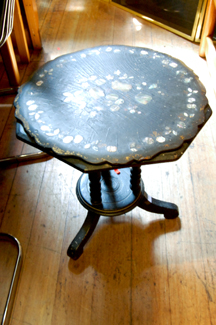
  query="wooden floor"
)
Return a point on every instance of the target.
[{"x": 138, "y": 268}]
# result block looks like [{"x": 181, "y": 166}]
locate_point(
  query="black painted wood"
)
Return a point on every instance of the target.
[
  {"x": 117, "y": 197},
  {"x": 112, "y": 105},
  {"x": 75, "y": 249}
]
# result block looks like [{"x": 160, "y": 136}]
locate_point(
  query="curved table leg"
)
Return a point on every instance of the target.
[
  {"x": 75, "y": 249},
  {"x": 169, "y": 210}
]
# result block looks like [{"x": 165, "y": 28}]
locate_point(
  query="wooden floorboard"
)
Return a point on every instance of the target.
[{"x": 137, "y": 268}]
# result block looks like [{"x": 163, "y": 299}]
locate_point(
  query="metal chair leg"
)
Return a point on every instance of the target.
[
  {"x": 8, "y": 91},
  {"x": 14, "y": 281},
  {"x": 23, "y": 158}
]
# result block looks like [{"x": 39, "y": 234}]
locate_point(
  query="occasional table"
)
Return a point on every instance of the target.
[{"x": 106, "y": 111}]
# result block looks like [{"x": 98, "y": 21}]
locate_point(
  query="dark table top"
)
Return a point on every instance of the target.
[{"x": 113, "y": 106}]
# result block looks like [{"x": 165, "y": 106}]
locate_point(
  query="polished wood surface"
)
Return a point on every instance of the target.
[
  {"x": 207, "y": 47},
  {"x": 10, "y": 62},
  {"x": 7, "y": 50},
  {"x": 138, "y": 268},
  {"x": 20, "y": 34},
  {"x": 31, "y": 12},
  {"x": 208, "y": 26},
  {"x": 210, "y": 54}
]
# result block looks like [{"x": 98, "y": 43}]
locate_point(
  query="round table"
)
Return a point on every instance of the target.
[{"x": 106, "y": 111}]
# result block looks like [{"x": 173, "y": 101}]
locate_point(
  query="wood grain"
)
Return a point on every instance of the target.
[
  {"x": 10, "y": 63},
  {"x": 207, "y": 47},
  {"x": 30, "y": 7},
  {"x": 19, "y": 30},
  {"x": 208, "y": 26}
]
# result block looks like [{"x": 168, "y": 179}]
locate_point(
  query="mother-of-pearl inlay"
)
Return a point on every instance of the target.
[{"x": 88, "y": 100}]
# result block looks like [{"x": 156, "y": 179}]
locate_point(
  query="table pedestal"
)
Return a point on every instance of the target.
[
  {"x": 112, "y": 193},
  {"x": 116, "y": 106}
]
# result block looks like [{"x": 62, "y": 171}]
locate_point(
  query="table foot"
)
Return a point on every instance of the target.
[
  {"x": 75, "y": 249},
  {"x": 169, "y": 210}
]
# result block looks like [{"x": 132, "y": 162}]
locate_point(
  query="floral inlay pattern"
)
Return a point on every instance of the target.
[{"x": 112, "y": 103}]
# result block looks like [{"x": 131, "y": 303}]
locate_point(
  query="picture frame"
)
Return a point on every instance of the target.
[{"x": 182, "y": 17}]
